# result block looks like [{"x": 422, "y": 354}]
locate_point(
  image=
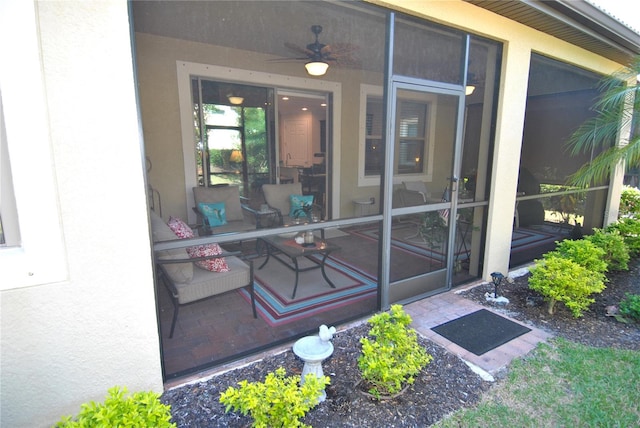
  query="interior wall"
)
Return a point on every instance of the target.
[{"x": 158, "y": 89}]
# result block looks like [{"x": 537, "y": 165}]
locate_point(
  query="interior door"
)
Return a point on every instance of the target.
[
  {"x": 296, "y": 139},
  {"x": 426, "y": 128}
]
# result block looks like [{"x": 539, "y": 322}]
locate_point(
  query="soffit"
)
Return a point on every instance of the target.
[{"x": 576, "y": 22}]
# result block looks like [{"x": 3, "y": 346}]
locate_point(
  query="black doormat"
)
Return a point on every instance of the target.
[{"x": 480, "y": 331}]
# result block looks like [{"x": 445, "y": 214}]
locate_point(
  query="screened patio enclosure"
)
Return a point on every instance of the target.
[{"x": 401, "y": 153}]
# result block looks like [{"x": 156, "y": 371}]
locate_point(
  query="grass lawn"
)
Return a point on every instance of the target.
[{"x": 562, "y": 384}]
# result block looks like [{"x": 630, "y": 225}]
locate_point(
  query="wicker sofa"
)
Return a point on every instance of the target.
[{"x": 188, "y": 283}]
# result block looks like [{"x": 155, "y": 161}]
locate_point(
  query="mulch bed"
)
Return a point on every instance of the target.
[{"x": 445, "y": 386}]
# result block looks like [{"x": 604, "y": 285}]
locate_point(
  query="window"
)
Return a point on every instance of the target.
[
  {"x": 412, "y": 152},
  {"x": 374, "y": 148},
  {"x": 233, "y": 147},
  {"x": 412, "y": 137},
  {"x": 9, "y": 231},
  {"x": 34, "y": 253}
]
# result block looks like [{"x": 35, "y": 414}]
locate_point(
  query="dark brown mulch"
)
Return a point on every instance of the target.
[
  {"x": 445, "y": 386},
  {"x": 594, "y": 328}
]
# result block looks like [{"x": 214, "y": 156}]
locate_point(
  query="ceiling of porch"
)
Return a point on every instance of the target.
[{"x": 222, "y": 23}]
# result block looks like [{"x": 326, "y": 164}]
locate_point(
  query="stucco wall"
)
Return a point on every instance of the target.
[{"x": 66, "y": 343}]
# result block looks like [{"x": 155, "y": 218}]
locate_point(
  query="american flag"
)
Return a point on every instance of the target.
[{"x": 444, "y": 214}]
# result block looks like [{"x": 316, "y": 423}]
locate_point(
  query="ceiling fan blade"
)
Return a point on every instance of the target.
[
  {"x": 298, "y": 49},
  {"x": 338, "y": 49},
  {"x": 340, "y": 54},
  {"x": 289, "y": 59},
  {"x": 348, "y": 62}
]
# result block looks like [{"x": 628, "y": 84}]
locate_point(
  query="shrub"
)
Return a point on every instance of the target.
[
  {"x": 432, "y": 229},
  {"x": 582, "y": 252},
  {"x": 629, "y": 229},
  {"x": 393, "y": 356},
  {"x": 140, "y": 409},
  {"x": 630, "y": 306},
  {"x": 629, "y": 202},
  {"x": 560, "y": 279},
  {"x": 279, "y": 401},
  {"x": 616, "y": 253}
]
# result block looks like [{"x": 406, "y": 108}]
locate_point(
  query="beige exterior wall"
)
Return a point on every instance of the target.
[{"x": 67, "y": 342}]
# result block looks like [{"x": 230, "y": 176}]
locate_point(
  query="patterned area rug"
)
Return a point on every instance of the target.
[
  {"x": 403, "y": 238},
  {"x": 523, "y": 239},
  {"x": 526, "y": 238},
  {"x": 274, "y": 285}
]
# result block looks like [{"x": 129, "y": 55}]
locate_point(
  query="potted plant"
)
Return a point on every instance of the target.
[
  {"x": 391, "y": 357},
  {"x": 432, "y": 229}
]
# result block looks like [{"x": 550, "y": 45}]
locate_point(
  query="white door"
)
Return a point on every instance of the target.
[{"x": 296, "y": 140}]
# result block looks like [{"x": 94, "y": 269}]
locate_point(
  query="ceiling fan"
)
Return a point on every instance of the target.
[{"x": 318, "y": 55}]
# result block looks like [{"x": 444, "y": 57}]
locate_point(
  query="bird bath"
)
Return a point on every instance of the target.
[{"x": 313, "y": 350}]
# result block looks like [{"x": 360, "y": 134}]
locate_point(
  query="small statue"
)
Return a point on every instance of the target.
[{"x": 326, "y": 333}]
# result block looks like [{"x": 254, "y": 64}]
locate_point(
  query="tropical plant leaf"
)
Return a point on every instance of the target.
[{"x": 615, "y": 109}]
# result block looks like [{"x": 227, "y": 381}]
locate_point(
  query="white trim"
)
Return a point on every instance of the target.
[
  {"x": 40, "y": 257},
  {"x": 185, "y": 70},
  {"x": 365, "y": 91}
]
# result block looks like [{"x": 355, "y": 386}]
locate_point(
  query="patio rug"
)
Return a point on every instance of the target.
[
  {"x": 480, "y": 331},
  {"x": 400, "y": 239},
  {"x": 274, "y": 284},
  {"x": 523, "y": 239}
]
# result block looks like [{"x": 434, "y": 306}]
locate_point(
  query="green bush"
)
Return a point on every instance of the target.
[
  {"x": 140, "y": 409},
  {"x": 616, "y": 253},
  {"x": 630, "y": 306},
  {"x": 279, "y": 401},
  {"x": 629, "y": 229},
  {"x": 629, "y": 202},
  {"x": 393, "y": 356},
  {"x": 560, "y": 279},
  {"x": 582, "y": 252}
]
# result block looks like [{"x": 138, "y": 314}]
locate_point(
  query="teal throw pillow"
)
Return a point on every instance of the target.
[
  {"x": 298, "y": 205},
  {"x": 215, "y": 213}
]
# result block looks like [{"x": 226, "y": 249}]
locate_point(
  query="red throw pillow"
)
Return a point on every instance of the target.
[
  {"x": 180, "y": 228},
  {"x": 213, "y": 265},
  {"x": 183, "y": 231}
]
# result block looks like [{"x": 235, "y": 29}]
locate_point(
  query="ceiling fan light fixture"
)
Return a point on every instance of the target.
[
  {"x": 235, "y": 100},
  {"x": 316, "y": 68}
]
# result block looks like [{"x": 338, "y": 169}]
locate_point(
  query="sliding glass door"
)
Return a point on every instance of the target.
[{"x": 231, "y": 127}]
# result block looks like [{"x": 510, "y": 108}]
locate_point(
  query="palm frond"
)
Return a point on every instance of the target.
[{"x": 614, "y": 111}]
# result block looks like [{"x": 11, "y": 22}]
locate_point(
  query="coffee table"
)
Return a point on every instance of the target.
[{"x": 280, "y": 247}]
